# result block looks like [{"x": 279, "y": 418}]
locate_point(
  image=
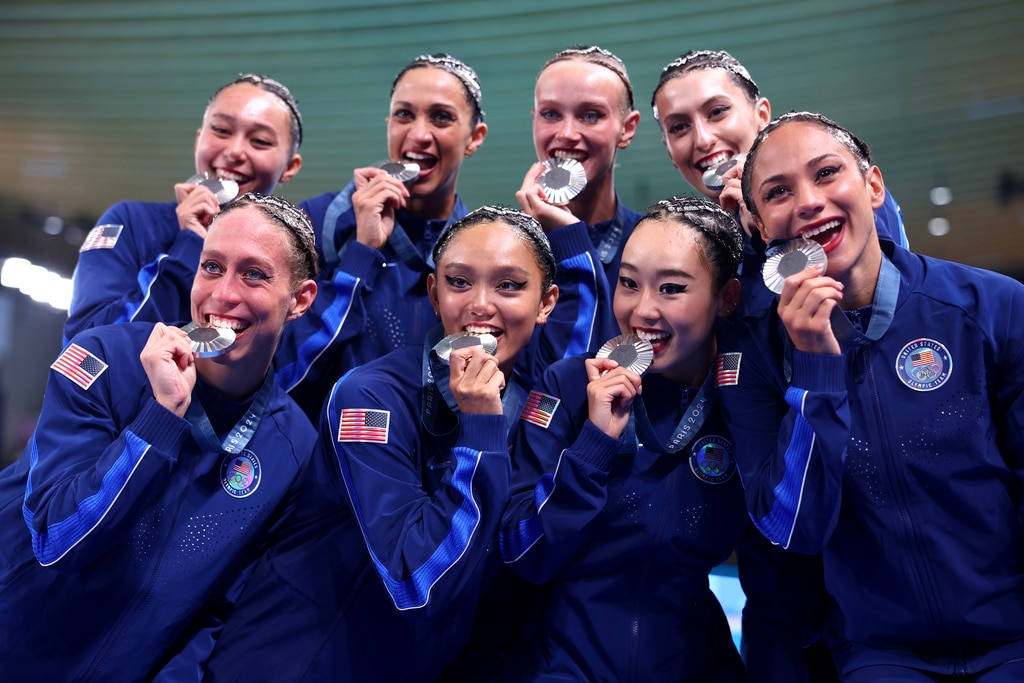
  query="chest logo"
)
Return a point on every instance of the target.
[
  {"x": 711, "y": 460},
  {"x": 924, "y": 365},
  {"x": 240, "y": 474}
]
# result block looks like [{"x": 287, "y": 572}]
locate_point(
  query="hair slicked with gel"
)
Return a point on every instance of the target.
[
  {"x": 860, "y": 149},
  {"x": 456, "y": 67},
  {"x": 720, "y": 235},
  {"x": 525, "y": 226},
  {"x": 700, "y": 60},
  {"x": 277, "y": 88},
  {"x": 601, "y": 57},
  {"x": 305, "y": 262}
]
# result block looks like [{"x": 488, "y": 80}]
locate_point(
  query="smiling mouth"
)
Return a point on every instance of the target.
[
  {"x": 657, "y": 339},
  {"x": 235, "y": 326},
  {"x": 824, "y": 233},
  {"x": 483, "y": 329},
  {"x": 713, "y": 161},
  {"x": 569, "y": 154},
  {"x": 425, "y": 161}
]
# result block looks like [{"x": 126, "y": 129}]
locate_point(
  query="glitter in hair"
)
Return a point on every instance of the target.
[
  {"x": 860, "y": 149},
  {"x": 275, "y": 88},
  {"x": 600, "y": 56},
  {"x": 295, "y": 220},
  {"x": 698, "y": 60},
  {"x": 724, "y": 239},
  {"x": 456, "y": 67},
  {"x": 524, "y": 225}
]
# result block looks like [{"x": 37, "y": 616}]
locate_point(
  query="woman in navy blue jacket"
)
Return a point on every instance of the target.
[
  {"x": 625, "y": 493},
  {"x": 391, "y": 553},
  {"x": 877, "y": 412},
  {"x": 155, "y": 477}
]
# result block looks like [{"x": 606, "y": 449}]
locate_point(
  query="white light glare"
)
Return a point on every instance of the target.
[
  {"x": 939, "y": 226},
  {"x": 940, "y": 195},
  {"x": 36, "y": 282}
]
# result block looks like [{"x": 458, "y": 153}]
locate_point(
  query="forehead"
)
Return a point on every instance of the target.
[
  {"x": 243, "y": 101},
  {"x": 429, "y": 84},
  {"x": 796, "y": 142},
  {"x": 662, "y": 243},
  {"x": 578, "y": 77},
  {"x": 701, "y": 84},
  {"x": 246, "y": 231},
  {"x": 490, "y": 244}
]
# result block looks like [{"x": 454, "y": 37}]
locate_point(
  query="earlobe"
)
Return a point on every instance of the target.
[
  {"x": 432, "y": 291},
  {"x": 876, "y": 186},
  {"x": 730, "y": 298},
  {"x": 476, "y": 139},
  {"x": 291, "y": 169}
]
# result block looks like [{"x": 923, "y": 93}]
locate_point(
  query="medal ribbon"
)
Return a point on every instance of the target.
[
  {"x": 609, "y": 246},
  {"x": 240, "y": 435},
  {"x": 690, "y": 424}
]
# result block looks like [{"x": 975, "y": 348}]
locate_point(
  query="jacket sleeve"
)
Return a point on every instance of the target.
[
  {"x": 90, "y": 476},
  {"x": 427, "y": 548},
  {"x": 124, "y": 283},
  {"x": 1007, "y": 376},
  {"x": 560, "y": 484},
  {"x": 790, "y": 442}
]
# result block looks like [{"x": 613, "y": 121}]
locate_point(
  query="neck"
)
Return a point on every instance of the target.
[
  {"x": 237, "y": 381},
  {"x": 439, "y": 204},
  {"x": 859, "y": 289},
  {"x": 693, "y": 372},
  {"x": 596, "y": 203}
]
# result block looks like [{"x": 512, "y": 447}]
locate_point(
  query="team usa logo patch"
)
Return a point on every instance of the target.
[
  {"x": 240, "y": 473},
  {"x": 364, "y": 425},
  {"x": 711, "y": 460},
  {"x": 79, "y": 366},
  {"x": 924, "y": 365},
  {"x": 539, "y": 409},
  {"x": 101, "y": 237}
]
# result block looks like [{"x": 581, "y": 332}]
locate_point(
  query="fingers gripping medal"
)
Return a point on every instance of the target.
[
  {"x": 461, "y": 340},
  {"x": 790, "y": 258},
  {"x": 562, "y": 180},
  {"x": 223, "y": 190},
  {"x": 208, "y": 342},
  {"x": 629, "y": 351},
  {"x": 404, "y": 171}
]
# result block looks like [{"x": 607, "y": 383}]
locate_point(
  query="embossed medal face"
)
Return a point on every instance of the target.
[
  {"x": 562, "y": 180},
  {"x": 629, "y": 351},
  {"x": 208, "y": 342},
  {"x": 461, "y": 340},
  {"x": 223, "y": 190},
  {"x": 405, "y": 171},
  {"x": 790, "y": 258}
]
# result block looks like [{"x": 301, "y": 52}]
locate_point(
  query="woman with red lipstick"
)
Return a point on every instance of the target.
[
  {"x": 583, "y": 110},
  {"x": 625, "y": 493},
  {"x": 709, "y": 110},
  {"x": 877, "y": 412},
  {"x": 375, "y": 236},
  {"x": 155, "y": 476},
  {"x": 139, "y": 260}
]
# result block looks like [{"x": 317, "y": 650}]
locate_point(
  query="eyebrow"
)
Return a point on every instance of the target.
[
  {"x": 778, "y": 177},
  {"x": 661, "y": 273},
  {"x": 502, "y": 270},
  {"x": 259, "y": 125}
]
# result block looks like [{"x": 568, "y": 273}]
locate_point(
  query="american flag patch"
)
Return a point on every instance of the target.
[
  {"x": 727, "y": 369},
  {"x": 79, "y": 366},
  {"x": 102, "y": 237},
  {"x": 370, "y": 426},
  {"x": 539, "y": 409}
]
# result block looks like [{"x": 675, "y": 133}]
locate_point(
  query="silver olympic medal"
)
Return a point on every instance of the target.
[
  {"x": 712, "y": 177},
  {"x": 562, "y": 180},
  {"x": 404, "y": 171},
  {"x": 208, "y": 342},
  {"x": 223, "y": 190},
  {"x": 461, "y": 340},
  {"x": 790, "y": 258},
  {"x": 629, "y": 351}
]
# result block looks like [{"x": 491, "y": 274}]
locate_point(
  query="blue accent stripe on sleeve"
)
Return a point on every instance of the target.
[
  {"x": 333, "y": 319},
  {"x": 779, "y": 523},
  {"x": 514, "y": 545},
  {"x": 583, "y": 330},
  {"x": 60, "y": 537},
  {"x": 146, "y": 277}
]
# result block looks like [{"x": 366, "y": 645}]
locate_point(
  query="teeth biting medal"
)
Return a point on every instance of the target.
[
  {"x": 404, "y": 171},
  {"x": 562, "y": 180},
  {"x": 629, "y": 351},
  {"x": 790, "y": 258},
  {"x": 461, "y": 340},
  {"x": 223, "y": 190},
  {"x": 209, "y": 342},
  {"x": 712, "y": 177}
]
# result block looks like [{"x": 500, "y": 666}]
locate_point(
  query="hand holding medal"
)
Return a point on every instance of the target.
[
  {"x": 461, "y": 340},
  {"x": 223, "y": 190},
  {"x": 629, "y": 351},
  {"x": 403, "y": 171},
  {"x": 562, "y": 180},
  {"x": 789, "y": 259},
  {"x": 209, "y": 342}
]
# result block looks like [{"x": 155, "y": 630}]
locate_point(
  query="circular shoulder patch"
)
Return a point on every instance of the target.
[
  {"x": 240, "y": 473},
  {"x": 711, "y": 460},
  {"x": 924, "y": 365}
]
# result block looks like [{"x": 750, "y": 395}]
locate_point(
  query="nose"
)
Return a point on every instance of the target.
[
  {"x": 567, "y": 130},
  {"x": 420, "y": 130},
  {"x": 481, "y": 304},
  {"x": 234, "y": 150},
  {"x": 227, "y": 290},
  {"x": 703, "y": 136},
  {"x": 810, "y": 201},
  {"x": 646, "y": 305}
]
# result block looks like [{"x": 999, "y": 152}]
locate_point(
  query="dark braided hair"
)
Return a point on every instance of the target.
[
  {"x": 699, "y": 60},
  {"x": 305, "y": 263},
  {"x": 718, "y": 232},
  {"x": 525, "y": 226}
]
